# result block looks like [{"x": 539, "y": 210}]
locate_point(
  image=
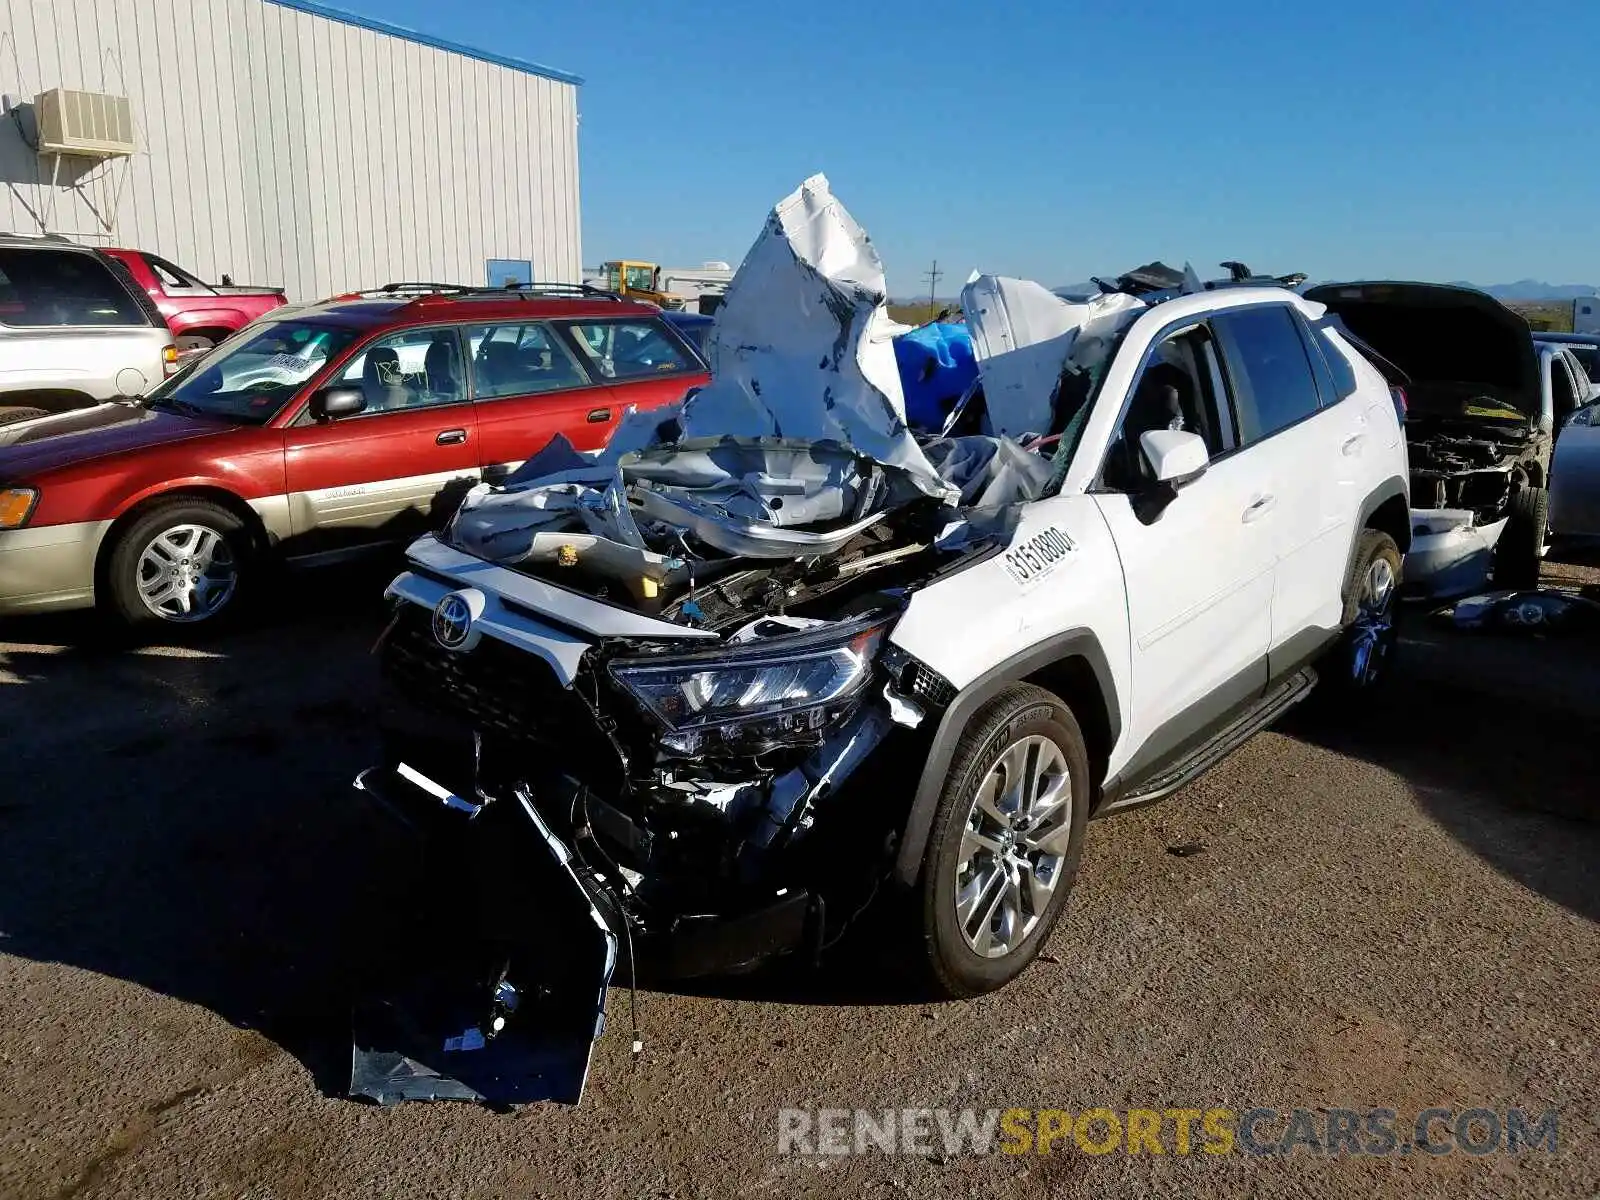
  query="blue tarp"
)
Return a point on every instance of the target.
[{"x": 936, "y": 365}]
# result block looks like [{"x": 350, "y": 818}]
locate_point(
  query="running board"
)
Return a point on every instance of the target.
[{"x": 1223, "y": 743}]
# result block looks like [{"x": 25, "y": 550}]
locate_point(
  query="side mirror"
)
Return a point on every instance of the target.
[
  {"x": 1176, "y": 457},
  {"x": 334, "y": 402}
]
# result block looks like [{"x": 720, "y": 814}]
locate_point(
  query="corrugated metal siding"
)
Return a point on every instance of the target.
[{"x": 285, "y": 148}]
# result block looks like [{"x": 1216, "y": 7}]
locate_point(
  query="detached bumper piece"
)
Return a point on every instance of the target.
[{"x": 503, "y": 1001}]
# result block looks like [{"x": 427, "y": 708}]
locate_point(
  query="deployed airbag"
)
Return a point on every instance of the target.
[{"x": 1025, "y": 337}]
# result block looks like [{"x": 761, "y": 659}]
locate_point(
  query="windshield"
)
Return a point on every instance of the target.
[{"x": 252, "y": 379}]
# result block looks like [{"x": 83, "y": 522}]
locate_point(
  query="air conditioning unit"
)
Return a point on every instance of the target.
[{"x": 90, "y": 124}]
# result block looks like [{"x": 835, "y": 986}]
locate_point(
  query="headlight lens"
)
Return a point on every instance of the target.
[
  {"x": 16, "y": 506},
  {"x": 776, "y": 693}
]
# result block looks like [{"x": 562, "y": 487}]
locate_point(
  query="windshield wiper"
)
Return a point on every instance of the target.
[{"x": 182, "y": 406}]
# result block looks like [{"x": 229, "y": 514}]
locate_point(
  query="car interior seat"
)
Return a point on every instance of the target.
[
  {"x": 442, "y": 367},
  {"x": 383, "y": 382},
  {"x": 1159, "y": 402}
]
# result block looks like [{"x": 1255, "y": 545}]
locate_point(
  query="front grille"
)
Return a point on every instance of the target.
[{"x": 501, "y": 691}]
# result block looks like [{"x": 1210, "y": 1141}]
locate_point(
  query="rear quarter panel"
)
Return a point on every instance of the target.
[{"x": 99, "y": 362}]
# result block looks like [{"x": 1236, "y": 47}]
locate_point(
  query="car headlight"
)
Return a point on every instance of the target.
[
  {"x": 16, "y": 506},
  {"x": 757, "y": 696}
]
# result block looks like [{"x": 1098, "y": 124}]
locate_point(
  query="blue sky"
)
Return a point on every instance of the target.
[{"x": 1059, "y": 140}]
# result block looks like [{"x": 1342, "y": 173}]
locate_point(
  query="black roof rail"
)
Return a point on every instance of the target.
[
  {"x": 409, "y": 286},
  {"x": 538, "y": 287},
  {"x": 43, "y": 237}
]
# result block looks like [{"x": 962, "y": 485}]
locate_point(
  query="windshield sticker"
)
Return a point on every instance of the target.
[
  {"x": 1030, "y": 561},
  {"x": 287, "y": 362}
]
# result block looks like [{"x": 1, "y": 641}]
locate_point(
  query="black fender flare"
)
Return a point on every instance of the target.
[
  {"x": 1392, "y": 488},
  {"x": 1072, "y": 643}
]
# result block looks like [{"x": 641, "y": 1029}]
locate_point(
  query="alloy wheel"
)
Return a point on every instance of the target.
[
  {"x": 1012, "y": 846},
  {"x": 187, "y": 573},
  {"x": 1372, "y": 632}
]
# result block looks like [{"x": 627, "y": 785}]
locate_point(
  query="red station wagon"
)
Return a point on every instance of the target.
[{"x": 309, "y": 435}]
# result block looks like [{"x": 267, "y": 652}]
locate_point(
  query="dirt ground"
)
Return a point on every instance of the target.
[{"x": 1395, "y": 909}]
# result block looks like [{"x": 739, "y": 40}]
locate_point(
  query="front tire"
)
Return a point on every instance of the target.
[
  {"x": 184, "y": 564},
  {"x": 1520, "y": 553},
  {"x": 1007, "y": 834}
]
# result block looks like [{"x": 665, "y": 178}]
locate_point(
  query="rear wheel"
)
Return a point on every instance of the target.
[
  {"x": 1361, "y": 660},
  {"x": 10, "y": 416},
  {"x": 1521, "y": 550},
  {"x": 1007, "y": 834},
  {"x": 183, "y": 564}
]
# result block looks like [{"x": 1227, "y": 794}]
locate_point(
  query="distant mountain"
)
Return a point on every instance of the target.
[{"x": 1536, "y": 289}]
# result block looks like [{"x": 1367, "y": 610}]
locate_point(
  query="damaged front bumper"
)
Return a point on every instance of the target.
[
  {"x": 1451, "y": 554},
  {"x": 571, "y": 867},
  {"x": 498, "y": 1011}
]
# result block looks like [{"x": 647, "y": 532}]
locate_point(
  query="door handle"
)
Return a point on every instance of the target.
[
  {"x": 596, "y": 415},
  {"x": 1353, "y": 445},
  {"x": 451, "y": 437},
  {"x": 1258, "y": 508}
]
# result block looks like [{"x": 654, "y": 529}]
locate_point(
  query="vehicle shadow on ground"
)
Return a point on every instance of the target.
[
  {"x": 1495, "y": 735},
  {"x": 184, "y": 819}
]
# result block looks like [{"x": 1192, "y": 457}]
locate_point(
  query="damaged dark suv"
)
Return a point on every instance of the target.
[
  {"x": 1482, "y": 411},
  {"x": 772, "y": 662}
]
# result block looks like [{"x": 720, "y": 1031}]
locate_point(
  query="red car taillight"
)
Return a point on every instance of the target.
[
  {"x": 169, "y": 360},
  {"x": 1398, "y": 395}
]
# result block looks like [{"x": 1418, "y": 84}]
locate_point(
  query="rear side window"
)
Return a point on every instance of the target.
[
  {"x": 171, "y": 276},
  {"x": 1339, "y": 368},
  {"x": 520, "y": 358},
  {"x": 630, "y": 349},
  {"x": 41, "y": 288},
  {"x": 1272, "y": 379}
]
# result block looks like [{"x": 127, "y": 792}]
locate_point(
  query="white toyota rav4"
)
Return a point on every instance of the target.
[{"x": 709, "y": 695}]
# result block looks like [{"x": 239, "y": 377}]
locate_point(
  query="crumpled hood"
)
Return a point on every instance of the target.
[
  {"x": 1024, "y": 336},
  {"x": 28, "y": 448},
  {"x": 803, "y": 347}
]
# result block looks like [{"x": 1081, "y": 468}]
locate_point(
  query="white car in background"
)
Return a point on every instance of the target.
[{"x": 74, "y": 329}]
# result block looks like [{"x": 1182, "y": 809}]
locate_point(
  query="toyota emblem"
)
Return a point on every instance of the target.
[{"x": 452, "y": 621}]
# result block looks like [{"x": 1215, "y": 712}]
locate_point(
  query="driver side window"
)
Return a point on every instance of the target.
[
  {"x": 420, "y": 368},
  {"x": 1180, "y": 386}
]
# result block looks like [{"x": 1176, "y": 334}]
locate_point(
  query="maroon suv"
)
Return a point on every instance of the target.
[{"x": 319, "y": 430}]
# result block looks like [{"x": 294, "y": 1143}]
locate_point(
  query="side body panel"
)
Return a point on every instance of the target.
[
  {"x": 997, "y": 609},
  {"x": 380, "y": 477}
]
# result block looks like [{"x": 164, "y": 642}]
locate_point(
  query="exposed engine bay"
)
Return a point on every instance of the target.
[{"x": 1457, "y": 469}]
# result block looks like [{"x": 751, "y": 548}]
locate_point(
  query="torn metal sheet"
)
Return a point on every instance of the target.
[
  {"x": 803, "y": 346},
  {"x": 1025, "y": 337},
  {"x": 989, "y": 472},
  {"x": 503, "y": 1021},
  {"x": 1450, "y": 553}
]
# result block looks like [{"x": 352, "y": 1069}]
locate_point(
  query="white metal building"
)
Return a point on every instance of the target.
[{"x": 286, "y": 143}]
